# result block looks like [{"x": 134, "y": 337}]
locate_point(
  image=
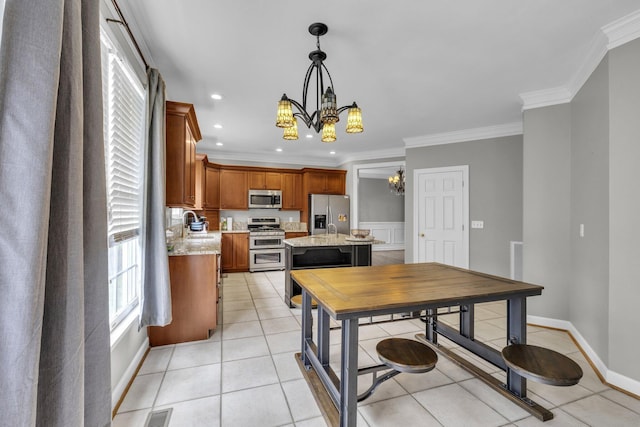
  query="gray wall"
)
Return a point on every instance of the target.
[
  {"x": 589, "y": 206},
  {"x": 377, "y": 203},
  {"x": 581, "y": 167},
  {"x": 546, "y": 213},
  {"x": 624, "y": 209},
  {"x": 495, "y": 195}
]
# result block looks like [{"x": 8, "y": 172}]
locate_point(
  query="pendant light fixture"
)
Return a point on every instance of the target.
[{"x": 326, "y": 113}]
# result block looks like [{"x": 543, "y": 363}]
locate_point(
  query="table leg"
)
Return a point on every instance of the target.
[
  {"x": 467, "y": 315},
  {"x": 307, "y": 323},
  {"x": 516, "y": 334},
  {"x": 432, "y": 325},
  {"x": 349, "y": 373},
  {"x": 323, "y": 336}
]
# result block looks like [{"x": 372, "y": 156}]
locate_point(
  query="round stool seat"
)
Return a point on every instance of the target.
[
  {"x": 405, "y": 355},
  {"x": 296, "y": 301},
  {"x": 542, "y": 365}
]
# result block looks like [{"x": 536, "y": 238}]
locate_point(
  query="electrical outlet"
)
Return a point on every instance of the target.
[{"x": 477, "y": 224}]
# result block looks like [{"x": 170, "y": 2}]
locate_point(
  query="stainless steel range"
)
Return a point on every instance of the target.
[{"x": 266, "y": 244}]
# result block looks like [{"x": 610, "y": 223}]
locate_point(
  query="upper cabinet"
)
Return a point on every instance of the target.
[
  {"x": 182, "y": 134},
  {"x": 323, "y": 181},
  {"x": 201, "y": 165},
  {"x": 212, "y": 187},
  {"x": 260, "y": 180},
  {"x": 291, "y": 186},
  {"x": 233, "y": 189}
]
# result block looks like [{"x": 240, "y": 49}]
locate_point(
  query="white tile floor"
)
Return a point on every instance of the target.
[{"x": 246, "y": 375}]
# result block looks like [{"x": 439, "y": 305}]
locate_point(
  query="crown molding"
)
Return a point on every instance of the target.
[
  {"x": 465, "y": 135},
  {"x": 218, "y": 155},
  {"x": 609, "y": 37},
  {"x": 622, "y": 30}
]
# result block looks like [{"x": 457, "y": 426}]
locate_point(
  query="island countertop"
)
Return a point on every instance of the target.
[{"x": 329, "y": 240}]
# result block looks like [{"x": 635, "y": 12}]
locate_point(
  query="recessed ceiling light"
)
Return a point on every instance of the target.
[
  {"x": 332, "y": 152},
  {"x": 219, "y": 144},
  {"x": 217, "y": 126},
  {"x": 216, "y": 96},
  {"x": 309, "y": 135},
  {"x": 278, "y": 150}
]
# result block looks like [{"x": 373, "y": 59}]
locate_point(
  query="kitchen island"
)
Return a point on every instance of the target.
[{"x": 323, "y": 251}]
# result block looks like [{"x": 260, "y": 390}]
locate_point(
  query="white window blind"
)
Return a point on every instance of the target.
[{"x": 124, "y": 137}]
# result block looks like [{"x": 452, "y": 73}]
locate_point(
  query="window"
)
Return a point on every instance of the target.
[{"x": 124, "y": 116}]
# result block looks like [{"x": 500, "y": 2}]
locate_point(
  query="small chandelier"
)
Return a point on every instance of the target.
[
  {"x": 326, "y": 114},
  {"x": 396, "y": 183}
]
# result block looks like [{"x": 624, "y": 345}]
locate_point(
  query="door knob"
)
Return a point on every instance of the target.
[{"x": 421, "y": 234}]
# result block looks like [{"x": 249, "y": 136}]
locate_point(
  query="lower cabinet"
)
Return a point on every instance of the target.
[
  {"x": 235, "y": 252},
  {"x": 195, "y": 283}
]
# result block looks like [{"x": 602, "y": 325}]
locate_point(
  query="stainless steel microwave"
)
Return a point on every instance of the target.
[{"x": 265, "y": 199}]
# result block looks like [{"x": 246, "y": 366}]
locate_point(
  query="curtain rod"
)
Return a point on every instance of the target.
[{"x": 123, "y": 22}]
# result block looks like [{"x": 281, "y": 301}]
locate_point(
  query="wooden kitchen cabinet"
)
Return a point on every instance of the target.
[
  {"x": 194, "y": 298},
  {"x": 200, "y": 177},
  {"x": 291, "y": 186},
  {"x": 321, "y": 181},
  {"x": 233, "y": 189},
  {"x": 235, "y": 252},
  {"x": 260, "y": 180},
  {"x": 213, "y": 218},
  {"x": 294, "y": 234},
  {"x": 182, "y": 134},
  {"x": 212, "y": 187}
]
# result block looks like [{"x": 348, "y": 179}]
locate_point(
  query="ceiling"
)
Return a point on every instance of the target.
[{"x": 416, "y": 68}]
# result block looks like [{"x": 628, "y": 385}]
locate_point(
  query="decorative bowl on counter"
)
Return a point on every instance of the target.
[{"x": 360, "y": 233}]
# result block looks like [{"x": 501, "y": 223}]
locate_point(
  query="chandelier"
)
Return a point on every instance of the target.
[
  {"x": 396, "y": 183},
  {"x": 326, "y": 113}
]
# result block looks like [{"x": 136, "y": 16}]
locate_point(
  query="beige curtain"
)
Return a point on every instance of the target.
[{"x": 54, "y": 332}]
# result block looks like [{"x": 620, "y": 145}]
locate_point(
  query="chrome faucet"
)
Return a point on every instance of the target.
[{"x": 335, "y": 227}]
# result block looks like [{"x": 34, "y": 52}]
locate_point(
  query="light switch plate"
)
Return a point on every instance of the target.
[{"x": 477, "y": 224}]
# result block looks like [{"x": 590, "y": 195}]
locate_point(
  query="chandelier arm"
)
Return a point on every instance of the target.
[
  {"x": 330, "y": 79},
  {"x": 306, "y": 118},
  {"x": 346, "y": 107},
  {"x": 305, "y": 85}
]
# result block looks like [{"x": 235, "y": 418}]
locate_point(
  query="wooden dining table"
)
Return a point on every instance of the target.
[{"x": 348, "y": 294}]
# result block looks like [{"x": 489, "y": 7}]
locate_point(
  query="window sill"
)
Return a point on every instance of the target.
[{"x": 119, "y": 331}]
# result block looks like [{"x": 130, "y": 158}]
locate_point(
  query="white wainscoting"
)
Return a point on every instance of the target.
[{"x": 390, "y": 232}]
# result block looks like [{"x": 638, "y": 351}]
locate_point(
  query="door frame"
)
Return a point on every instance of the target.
[
  {"x": 465, "y": 206},
  {"x": 355, "y": 182}
]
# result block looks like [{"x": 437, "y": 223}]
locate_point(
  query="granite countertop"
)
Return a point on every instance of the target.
[
  {"x": 329, "y": 240},
  {"x": 197, "y": 244}
]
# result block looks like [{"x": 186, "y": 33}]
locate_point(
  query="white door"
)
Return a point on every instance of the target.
[{"x": 441, "y": 216}]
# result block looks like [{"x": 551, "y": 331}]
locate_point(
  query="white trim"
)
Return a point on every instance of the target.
[
  {"x": 609, "y": 37},
  {"x": 474, "y": 134},
  {"x": 623, "y": 30},
  {"x": 391, "y": 232},
  {"x": 465, "y": 208},
  {"x": 512, "y": 259},
  {"x": 611, "y": 377},
  {"x": 355, "y": 171},
  {"x": 119, "y": 389}
]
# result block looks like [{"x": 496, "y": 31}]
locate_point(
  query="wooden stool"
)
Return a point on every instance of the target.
[
  {"x": 405, "y": 355},
  {"x": 542, "y": 365},
  {"x": 401, "y": 355},
  {"x": 296, "y": 301}
]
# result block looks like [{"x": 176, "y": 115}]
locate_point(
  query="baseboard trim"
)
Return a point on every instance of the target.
[
  {"x": 119, "y": 391},
  {"x": 609, "y": 377}
]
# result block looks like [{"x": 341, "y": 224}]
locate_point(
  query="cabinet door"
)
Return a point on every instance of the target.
[
  {"x": 233, "y": 189},
  {"x": 212, "y": 188},
  {"x": 335, "y": 183},
  {"x": 226, "y": 251},
  {"x": 291, "y": 191},
  {"x": 176, "y": 162},
  {"x": 241, "y": 251},
  {"x": 200, "y": 179},
  {"x": 316, "y": 183},
  {"x": 257, "y": 181},
  {"x": 272, "y": 180},
  {"x": 213, "y": 217},
  {"x": 190, "y": 169}
]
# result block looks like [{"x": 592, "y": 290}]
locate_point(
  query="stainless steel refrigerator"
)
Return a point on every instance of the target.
[{"x": 329, "y": 209}]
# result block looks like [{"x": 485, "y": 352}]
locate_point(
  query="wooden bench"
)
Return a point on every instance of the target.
[{"x": 542, "y": 365}]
